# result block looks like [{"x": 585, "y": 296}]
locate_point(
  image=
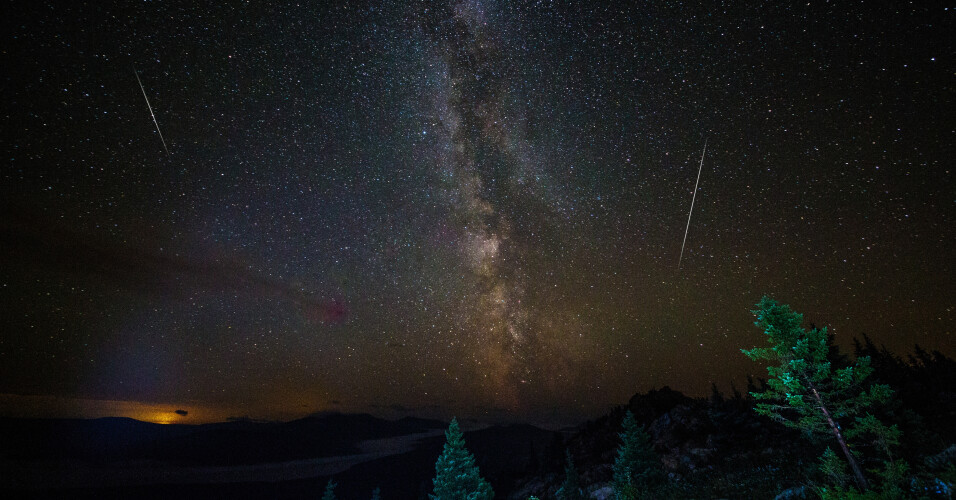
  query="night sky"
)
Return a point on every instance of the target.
[{"x": 459, "y": 207}]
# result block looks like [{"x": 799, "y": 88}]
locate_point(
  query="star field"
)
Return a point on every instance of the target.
[{"x": 470, "y": 207}]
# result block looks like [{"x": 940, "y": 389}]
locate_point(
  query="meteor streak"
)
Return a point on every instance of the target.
[
  {"x": 151, "y": 111},
  {"x": 689, "y": 214}
]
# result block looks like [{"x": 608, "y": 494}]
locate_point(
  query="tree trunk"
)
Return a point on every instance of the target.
[{"x": 858, "y": 474}]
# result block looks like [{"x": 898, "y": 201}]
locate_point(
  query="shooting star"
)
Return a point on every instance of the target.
[
  {"x": 689, "y": 214},
  {"x": 151, "y": 111}
]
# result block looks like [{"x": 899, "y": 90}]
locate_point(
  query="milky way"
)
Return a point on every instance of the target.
[
  {"x": 488, "y": 190},
  {"x": 460, "y": 207}
]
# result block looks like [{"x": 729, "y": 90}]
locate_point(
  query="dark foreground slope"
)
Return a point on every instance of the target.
[
  {"x": 124, "y": 458},
  {"x": 719, "y": 448},
  {"x": 713, "y": 447},
  {"x": 231, "y": 443}
]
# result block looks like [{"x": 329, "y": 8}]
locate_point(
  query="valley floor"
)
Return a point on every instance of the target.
[{"x": 70, "y": 474}]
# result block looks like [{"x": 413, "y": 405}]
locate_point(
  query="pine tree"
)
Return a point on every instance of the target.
[
  {"x": 571, "y": 487},
  {"x": 833, "y": 468},
  {"x": 377, "y": 494},
  {"x": 716, "y": 397},
  {"x": 329, "y": 491},
  {"x": 636, "y": 467},
  {"x": 804, "y": 392},
  {"x": 456, "y": 475},
  {"x": 736, "y": 392}
]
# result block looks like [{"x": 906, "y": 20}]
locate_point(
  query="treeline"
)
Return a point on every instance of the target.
[{"x": 869, "y": 426}]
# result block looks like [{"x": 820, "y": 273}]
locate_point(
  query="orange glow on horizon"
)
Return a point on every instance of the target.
[{"x": 35, "y": 406}]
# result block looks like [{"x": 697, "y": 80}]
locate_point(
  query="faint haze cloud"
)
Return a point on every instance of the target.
[{"x": 33, "y": 242}]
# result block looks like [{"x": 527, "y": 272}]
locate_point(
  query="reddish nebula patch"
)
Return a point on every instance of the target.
[{"x": 331, "y": 312}]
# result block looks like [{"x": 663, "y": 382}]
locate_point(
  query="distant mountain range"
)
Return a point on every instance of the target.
[
  {"x": 228, "y": 443},
  {"x": 125, "y": 458},
  {"x": 713, "y": 447}
]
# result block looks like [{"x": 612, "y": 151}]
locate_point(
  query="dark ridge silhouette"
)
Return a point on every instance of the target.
[
  {"x": 229, "y": 443},
  {"x": 713, "y": 447}
]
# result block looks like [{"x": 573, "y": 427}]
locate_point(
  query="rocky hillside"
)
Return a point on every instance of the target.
[{"x": 718, "y": 447}]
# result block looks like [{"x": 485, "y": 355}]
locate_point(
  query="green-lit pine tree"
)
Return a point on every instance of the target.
[
  {"x": 377, "y": 494},
  {"x": 456, "y": 475},
  {"x": 636, "y": 467},
  {"x": 804, "y": 392},
  {"x": 571, "y": 487},
  {"x": 329, "y": 491}
]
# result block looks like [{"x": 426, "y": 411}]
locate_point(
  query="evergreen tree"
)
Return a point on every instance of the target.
[
  {"x": 636, "y": 467},
  {"x": 377, "y": 494},
  {"x": 329, "y": 491},
  {"x": 833, "y": 468},
  {"x": 804, "y": 392},
  {"x": 736, "y": 392},
  {"x": 456, "y": 475},
  {"x": 716, "y": 397},
  {"x": 571, "y": 487}
]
